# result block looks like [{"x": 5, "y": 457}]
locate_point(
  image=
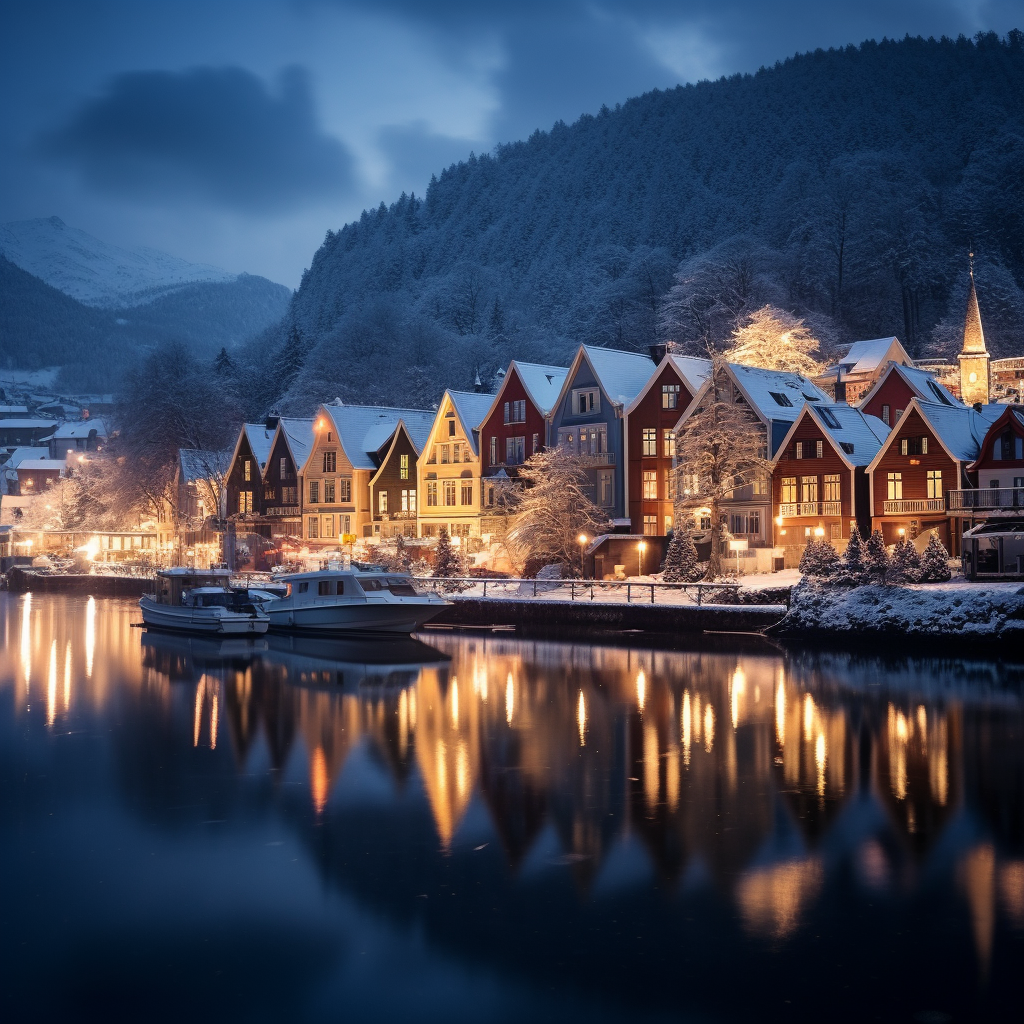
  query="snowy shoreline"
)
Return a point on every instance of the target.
[{"x": 931, "y": 612}]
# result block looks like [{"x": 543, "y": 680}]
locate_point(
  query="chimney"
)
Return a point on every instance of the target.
[
  {"x": 840, "y": 386},
  {"x": 657, "y": 352},
  {"x": 977, "y": 406},
  {"x": 273, "y": 417}
]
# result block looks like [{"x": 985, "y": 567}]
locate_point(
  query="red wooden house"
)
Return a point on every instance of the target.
[
  {"x": 651, "y": 420},
  {"x": 898, "y": 384},
  {"x": 997, "y": 472}
]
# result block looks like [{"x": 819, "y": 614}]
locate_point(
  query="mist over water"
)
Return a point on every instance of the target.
[{"x": 470, "y": 828}]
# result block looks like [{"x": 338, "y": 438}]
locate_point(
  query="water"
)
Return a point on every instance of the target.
[{"x": 500, "y": 830}]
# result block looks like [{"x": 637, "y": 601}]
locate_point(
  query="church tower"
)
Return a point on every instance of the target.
[{"x": 974, "y": 359}]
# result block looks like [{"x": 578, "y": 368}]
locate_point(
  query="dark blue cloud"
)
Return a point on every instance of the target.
[
  {"x": 415, "y": 152},
  {"x": 213, "y": 134}
]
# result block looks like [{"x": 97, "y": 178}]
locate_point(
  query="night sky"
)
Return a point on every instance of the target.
[{"x": 237, "y": 133}]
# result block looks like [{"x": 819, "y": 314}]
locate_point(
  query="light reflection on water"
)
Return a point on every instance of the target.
[{"x": 554, "y": 822}]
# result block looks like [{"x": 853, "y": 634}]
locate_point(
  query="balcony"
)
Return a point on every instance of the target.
[
  {"x": 986, "y": 498},
  {"x": 795, "y": 509},
  {"x": 387, "y": 517},
  {"x": 903, "y": 506},
  {"x": 282, "y": 510},
  {"x": 598, "y": 459}
]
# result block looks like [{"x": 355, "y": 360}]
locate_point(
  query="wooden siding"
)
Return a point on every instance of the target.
[
  {"x": 388, "y": 479},
  {"x": 494, "y": 426},
  {"x": 235, "y": 483},
  {"x": 915, "y": 477},
  {"x": 430, "y": 469},
  {"x": 355, "y": 512},
  {"x": 989, "y": 469},
  {"x": 274, "y": 482},
  {"x": 895, "y": 392}
]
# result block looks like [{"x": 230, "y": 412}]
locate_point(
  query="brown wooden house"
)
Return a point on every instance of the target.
[
  {"x": 898, "y": 384},
  {"x": 924, "y": 458},
  {"x": 820, "y": 486},
  {"x": 650, "y": 441},
  {"x": 394, "y": 494}
]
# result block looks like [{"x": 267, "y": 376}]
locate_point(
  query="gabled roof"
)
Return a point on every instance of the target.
[
  {"x": 200, "y": 464},
  {"x": 363, "y": 430},
  {"x": 866, "y": 357},
  {"x": 17, "y": 410},
  {"x": 400, "y": 428},
  {"x": 1010, "y": 413},
  {"x": 960, "y": 429},
  {"x": 298, "y": 437},
  {"x": 260, "y": 439},
  {"x": 472, "y": 409},
  {"x": 855, "y": 436},
  {"x": 50, "y": 465},
  {"x": 622, "y": 375},
  {"x": 693, "y": 372},
  {"x": 82, "y": 428},
  {"x": 543, "y": 383},
  {"x": 921, "y": 382},
  {"x": 19, "y": 455},
  {"x": 760, "y": 388}
]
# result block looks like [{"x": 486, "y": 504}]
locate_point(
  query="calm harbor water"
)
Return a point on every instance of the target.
[{"x": 490, "y": 829}]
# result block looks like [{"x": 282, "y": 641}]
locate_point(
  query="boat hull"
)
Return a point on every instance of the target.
[
  {"x": 336, "y": 619},
  {"x": 207, "y": 621}
]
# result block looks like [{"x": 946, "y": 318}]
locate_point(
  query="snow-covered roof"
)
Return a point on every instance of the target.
[
  {"x": 260, "y": 440},
  {"x": 51, "y": 465},
  {"x": 857, "y": 436},
  {"x": 693, "y": 370},
  {"x": 27, "y": 424},
  {"x": 921, "y": 382},
  {"x": 197, "y": 464},
  {"x": 298, "y": 435},
  {"x": 13, "y": 410},
  {"x": 622, "y": 375},
  {"x": 364, "y": 429},
  {"x": 82, "y": 428},
  {"x": 472, "y": 409},
  {"x": 543, "y": 383},
  {"x": 960, "y": 428},
  {"x": 865, "y": 357},
  {"x": 776, "y": 394},
  {"x": 19, "y": 455}
]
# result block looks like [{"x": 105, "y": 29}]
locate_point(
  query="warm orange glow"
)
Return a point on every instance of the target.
[
  {"x": 197, "y": 715},
  {"x": 510, "y": 699},
  {"x": 67, "y": 676},
  {"x": 214, "y": 720},
  {"x": 685, "y": 727},
  {"x": 709, "y": 727},
  {"x": 319, "y": 780},
  {"x": 51, "y": 686},
  {"x": 455, "y": 703},
  {"x": 581, "y": 718},
  {"x": 90, "y": 635},
  {"x": 780, "y": 714},
  {"x": 641, "y": 690},
  {"x": 736, "y": 687},
  {"x": 819, "y": 760},
  {"x": 26, "y": 639},
  {"x": 772, "y": 899}
]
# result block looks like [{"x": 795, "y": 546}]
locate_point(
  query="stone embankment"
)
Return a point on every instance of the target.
[
  {"x": 932, "y": 612},
  {"x": 20, "y": 581}
]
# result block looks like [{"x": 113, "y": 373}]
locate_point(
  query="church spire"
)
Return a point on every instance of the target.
[
  {"x": 974, "y": 357},
  {"x": 974, "y": 336}
]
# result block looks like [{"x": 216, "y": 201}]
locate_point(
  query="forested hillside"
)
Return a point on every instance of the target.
[{"x": 846, "y": 186}]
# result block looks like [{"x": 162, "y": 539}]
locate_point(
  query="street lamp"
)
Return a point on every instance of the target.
[
  {"x": 819, "y": 531},
  {"x": 582, "y": 541},
  {"x": 641, "y": 548}
]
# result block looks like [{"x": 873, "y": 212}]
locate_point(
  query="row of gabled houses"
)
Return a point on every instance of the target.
[{"x": 907, "y": 456}]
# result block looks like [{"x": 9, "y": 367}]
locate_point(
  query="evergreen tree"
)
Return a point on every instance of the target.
[
  {"x": 905, "y": 563},
  {"x": 854, "y": 567},
  {"x": 680, "y": 559},
  {"x": 819, "y": 560},
  {"x": 291, "y": 359},
  {"x": 876, "y": 558},
  {"x": 222, "y": 364},
  {"x": 402, "y": 554},
  {"x": 935, "y": 562},
  {"x": 447, "y": 561}
]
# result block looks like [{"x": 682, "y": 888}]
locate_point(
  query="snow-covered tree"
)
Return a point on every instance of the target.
[
  {"x": 555, "y": 508},
  {"x": 447, "y": 561},
  {"x": 876, "y": 558},
  {"x": 819, "y": 559},
  {"x": 775, "y": 340},
  {"x": 721, "y": 446},
  {"x": 680, "y": 564},
  {"x": 904, "y": 563},
  {"x": 853, "y": 569},
  {"x": 935, "y": 562}
]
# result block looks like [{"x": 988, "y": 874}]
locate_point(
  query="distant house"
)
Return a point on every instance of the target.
[
  {"x": 289, "y": 449},
  {"x": 244, "y": 479},
  {"x": 449, "y": 467},
  {"x": 9, "y": 463},
  {"x": 588, "y": 418},
  {"x": 897, "y": 385},
  {"x": 997, "y": 472},
  {"x": 651, "y": 441},
  {"x": 819, "y": 478},
  {"x": 860, "y": 364},
  {"x": 13, "y": 412},
  {"x": 775, "y": 399},
  {"x": 77, "y": 438},
  {"x": 349, "y": 445},
  {"x": 28, "y": 431},
  {"x": 394, "y": 488},
  {"x": 926, "y": 455},
  {"x": 36, "y": 475}
]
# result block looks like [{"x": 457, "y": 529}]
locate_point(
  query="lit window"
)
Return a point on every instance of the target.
[
  {"x": 668, "y": 443},
  {"x": 934, "y": 483},
  {"x": 799, "y": 449},
  {"x": 808, "y": 488},
  {"x": 382, "y": 502},
  {"x": 894, "y": 488},
  {"x": 247, "y": 466},
  {"x": 788, "y": 490},
  {"x": 819, "y": 449},
  {"x": 650, "y": 441},
  {"x": 403, "y": 467},
  {"x": 650, "y": 485},
  {"x": 432, "y": 494},
  {"x": 650, "y": 526},
  {"x": 669, "y": 396},
  {"x": 833, "y": 486}
]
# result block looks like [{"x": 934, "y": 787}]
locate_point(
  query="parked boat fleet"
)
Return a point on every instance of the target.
[{"x": 337, "y": 601}]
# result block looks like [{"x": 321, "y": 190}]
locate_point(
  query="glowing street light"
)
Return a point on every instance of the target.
[
  {"x": 582, "y": 541},
  {"x": 641, "y": 548},
  {"x": 819, "y": 531}
]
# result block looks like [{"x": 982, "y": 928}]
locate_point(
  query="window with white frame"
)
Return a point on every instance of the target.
[
  {"x": 934, "y": 483},
  {"x": 670, "y": 396},
  {"x": 328, "y": 492},
  {"x": 467, "y": 493},
  {"x": 327, "y": 526},
  {"x": 446, "y": 454},
  {"x": 314, "y": 492},
  {"x": 382, "y": 502},
  {"x": 282, "y": 471},
  {"x": 313, "y": 528},
  {"x": 894, "y": 486},
  {"x": 457, "y": 453},
  {"x": 515, "y": 450},
  {"x": 649, "y": 441},
  {"x": 808, "y": 488},
  {"x": 403, "y": 467},
  {"x": 449, "y": 492},
  {"x": 586, "y": 401},
  {"x": 604, "y": 487},
  {"x": 788, "y": 491},
  {"x": 247, "y": 470},
  {"x": 494, "y": 451},
  {"x": 451, "y": 424},
  {"x": 650, "y": 526},
  {"x": 650, "y": 485},
  {"x": 832, "y": 487},
  {"x": 668, "y": 443},
  {"x": 330, "y": 462},
  {"x": 345, "y": 483},
  {"x": 536, "y": 444},
  {"x": 432, "y": 494}
]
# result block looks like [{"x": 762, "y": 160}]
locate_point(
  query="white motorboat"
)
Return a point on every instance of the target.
[
  {"x": 202, "y": 601},
  {"x": 334, "y": 601}
]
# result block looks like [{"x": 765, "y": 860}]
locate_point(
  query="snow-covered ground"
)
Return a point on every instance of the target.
[
  {"x": 96, "y": 272},
  {"x": 933, "y": 610}
]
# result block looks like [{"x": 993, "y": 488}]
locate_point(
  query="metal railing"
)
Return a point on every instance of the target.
[
  {"x": 597, "y": 458},
  {"x": 902, "y": 506},
  {"x": 282, "y": 510},
  {"x": 575, "y": 590},
  {"x": 985, "y": 498},
  {"x": 791, "y": 510}
]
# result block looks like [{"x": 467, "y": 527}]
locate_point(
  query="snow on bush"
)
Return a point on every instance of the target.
[
  {"x": 681, "y": 564},
  {"x": 904, "y": 563},
  {"x": 933, "y": 611},
  {"x": 819, "y": 559},
  {"x": 935, "y": 562}
]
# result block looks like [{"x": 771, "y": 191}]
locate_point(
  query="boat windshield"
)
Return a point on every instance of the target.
[{"x": 395, "y": 584}]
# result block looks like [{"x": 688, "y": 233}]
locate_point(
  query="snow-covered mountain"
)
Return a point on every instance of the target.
[{"x": 95, "y": 272}]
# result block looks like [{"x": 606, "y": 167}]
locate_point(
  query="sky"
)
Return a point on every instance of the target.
[{"x": 237, "y": 132}]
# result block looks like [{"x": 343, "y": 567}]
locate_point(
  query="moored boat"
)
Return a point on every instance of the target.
[
  {"x": 337, "y": 601},
  {"x": 201, "y": 601}
]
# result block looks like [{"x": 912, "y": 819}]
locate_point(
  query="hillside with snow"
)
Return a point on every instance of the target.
[{"x": 95, "y": 272}]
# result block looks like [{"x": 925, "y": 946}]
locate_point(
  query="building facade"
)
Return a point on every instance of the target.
[
  {"x": 898, "y": 384},
  {"x": 394, "y": 488}
]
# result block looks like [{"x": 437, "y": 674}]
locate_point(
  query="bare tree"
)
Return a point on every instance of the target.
[
  {"x": 774, "y": 339},
  {"x": 721, "y": 446},
  {"x": 555, "y": 508}
]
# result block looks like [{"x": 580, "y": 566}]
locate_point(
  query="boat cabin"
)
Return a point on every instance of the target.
[
  {"x": 346, "y": 583},
  {"x": 173, "y": 584},
  {"x": 994, "y": 550}
]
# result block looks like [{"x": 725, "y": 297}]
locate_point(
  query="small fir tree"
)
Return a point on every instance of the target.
[
  {"x": 819, "y": 559},
  {"x": 680, "y": 559},
  {"x": 905, "y": 564},
  {"x": 935, "y": 562},
  {"x": 854, "y": 568},
  {"x": 402, "y": 554},
  {"x": 447, "y": 562},
  {"x": 876, "y": 558}
]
